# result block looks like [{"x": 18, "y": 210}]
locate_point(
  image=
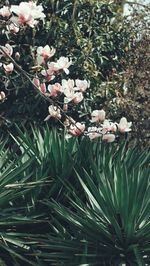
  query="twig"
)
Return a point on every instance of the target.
[
  {"x": 135, "y": 3},
  {"x": 25, "y": 74}
]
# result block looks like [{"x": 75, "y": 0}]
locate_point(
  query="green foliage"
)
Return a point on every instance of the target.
[
  {"x": 111, "y": 224},
  {"x": 72, "y": 202},
  {"x": 87, "y": 31},
  {"x": 29, "y": 172}
]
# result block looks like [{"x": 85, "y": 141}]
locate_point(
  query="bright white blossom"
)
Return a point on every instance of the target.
[
  {"x": 82, "y": 85},
  {"x": 108, "y": 137},
  {"x": 2, "y": 96},
  {"x": 46, "y": 51},
  {"x": 49, "y": 73},
  {"x": 28, "y": 13},
  {"x": 13, "y": 28},
  {"x": 7, "y": 49},
  {"x": 78, "y": 97},
  {"x": 5, "y": 11},
  {"x": 76, "y": 129},
  {"x": 68, "y": 84},
  {"x": 124, "y": 125},
  {"x": 98, "y": 116},
  {"x": 54, "y": 89},
  {"x": 94, "y": 132},
  {"x": 54, "y": 112},
  {"x": 68, "y": 89},
  {"x": 8, "y": 68},
  {"x": 63, "y": 63},
  {"x": 108, "y": 126}
]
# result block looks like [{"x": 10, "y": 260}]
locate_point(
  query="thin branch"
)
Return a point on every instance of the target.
[
  {"x": 25, "y": 74},
  {"x": 74, "y": 9},
  {"x": 135, "y": 3}
]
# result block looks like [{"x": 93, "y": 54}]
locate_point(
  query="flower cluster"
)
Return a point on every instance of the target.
[
  {"x": 26, "y": 13},
  {"x": 105, "y": 128},
  {"x": 62, "y": 94},
  {"x": 71, "y": 90},
  {"x": 7, "y": 51}
]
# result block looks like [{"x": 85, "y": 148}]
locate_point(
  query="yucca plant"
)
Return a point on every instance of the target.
[
  {"x": 55, "y": 155},
  {"x": 107, "y": 221},
  {"x": 21, "y": 182},
  {"x": 72, "y": 202},
  {"x": 29, "y": 172}
]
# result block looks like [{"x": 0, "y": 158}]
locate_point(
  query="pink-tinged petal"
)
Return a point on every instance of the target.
[
  {"x": 36, "y": 82},
  {"x": 66, "y": 71},
  {"x": 124, "y": 125},
  {"x": 43, "y": 88},
  {"x": 65, "y": 107},
  {"x": 2, "y": 96},
  {"x": 98, "y": 116},
  {"x": 54, "y": 89},
  {"x": 28, "y": 13},
  {"x": 77, "y": 129},
  {"x": 45, "y": 52},
  {"x": 39, "y": 50},
  {"x": 108, "y": 137},
  {"x": 8, "y": 68},
  {"x": 82, "y": 85},
  {"x": 40, "y": 60},
  {"x": 46, "y": 49},
  {"x": 108, "y": 126},
  {"x": 47, "y": 118},
  {"x": 78, "y": 97},
  {"x": 54, "y": 112},
  {"x": 113, "y": 127},
  {"x": 93, "y": 133},
  {"x": 5, "y": 11}
]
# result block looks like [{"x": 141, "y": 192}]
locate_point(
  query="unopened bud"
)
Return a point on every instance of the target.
[
  {"x": 65, "y": 107},
  {"x": 17, "y": 56},
  {"x": 2, "y": 96}
]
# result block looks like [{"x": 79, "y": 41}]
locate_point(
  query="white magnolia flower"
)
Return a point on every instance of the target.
[
  {"x": 108, "y": 126},
  {"x": 124, "y": 125},
  {"x": 98, "y": 116},
  {"x": 5, "y": 11},
  {"x": 77, "y": 129},
  {"x": 8, "y": 68},
  {"x": 63, "y": 63},
  {"x": 93, "y": 132},
  {"x": 46, "y": 51},
  {"x": 82, "y": 85},
  {"x": 68, "y": 89},
  {"x": 78, "y": 97},
  {"x": 108, "y": 137},
  {"x": 28, "y": 13},
  {"x": 54, "y": 111}
]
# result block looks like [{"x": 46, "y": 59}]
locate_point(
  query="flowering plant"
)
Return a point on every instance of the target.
[{"x": 46, "y": 77}]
